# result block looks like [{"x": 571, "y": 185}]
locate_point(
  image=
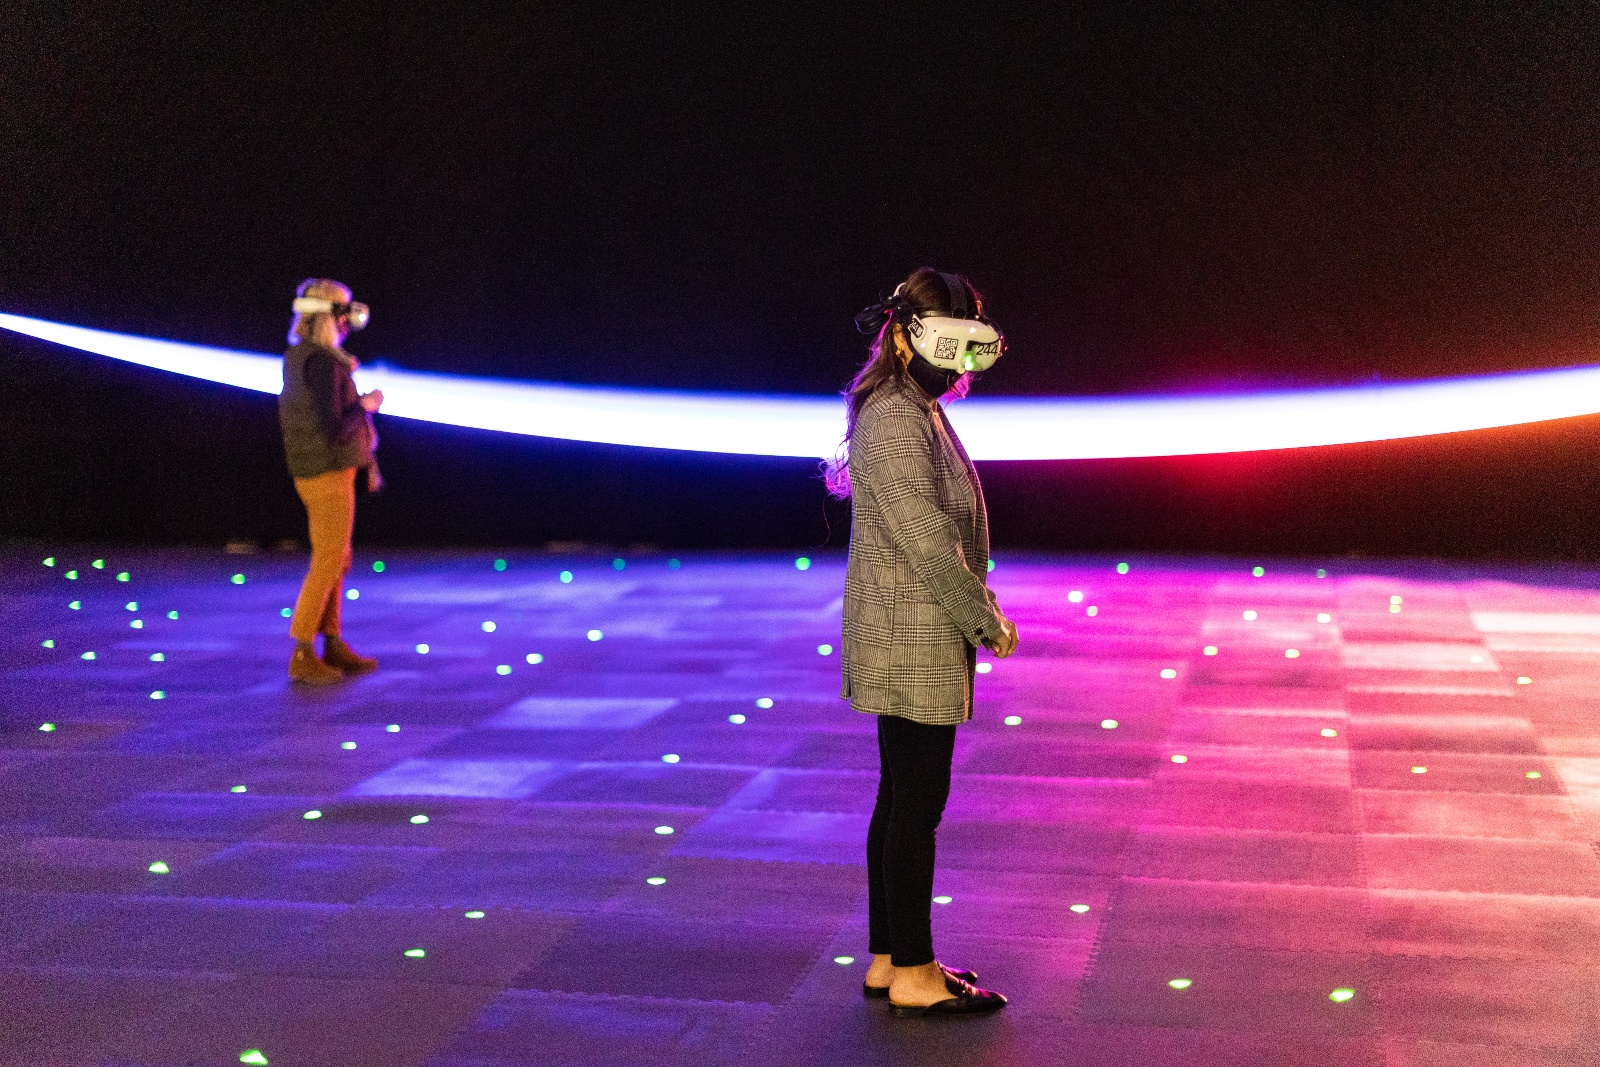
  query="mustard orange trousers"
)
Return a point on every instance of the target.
[{"x": 330, "y": 501}]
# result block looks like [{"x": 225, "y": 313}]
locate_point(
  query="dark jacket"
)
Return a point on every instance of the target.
[
  {"x": 325, "y": 428},
  {"x": 916, "y": 596}
]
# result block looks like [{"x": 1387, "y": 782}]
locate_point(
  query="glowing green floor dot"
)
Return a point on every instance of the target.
[
  {"x": 239, "y": 789},
  {"x": 132, "y": 605},
  {"x": 418, "y": 820},
  {"x": 347, "y": 745},
  {"x": 1081, "y": 909},
  {"x": 764, "y": 703},
  {"x": 474, "y": 914},
  {"x": 415, "y": 954},
  {"x": 674, "y": 564},
  {"x": 565, "y": 576},
  {"x": 1109, "y": 724},
  {"x": 1535, "y": 774},
  {"x": 1122, "y": 568},
  {"x": 237, "y": 579},
  {"x": 736, "y": 719},
  {"x": 48, "y": 643},
  {"x": 824, "y": 650},
  {"x": 352, "y": 594},
  {"x": 657, "y": 880},
  {"x": 1168, "y": 673},
  {"x": 99, "y": 564},
  {"x": 942, "y": 900},
  {"x": 985, "y": 668},
  {"x": 618, "y": 564},
  {"x": 1329, "y": 732},
  {"x": 594, "y": 635},
  {"x": 664, "y": 830},
  {"x": 159, "y": 694},
  {"x": 1291, "y": 653},
  {"x": 286, "y": 612},
  {"x": 1524, "y": 680},
  {"x": 422, "y": 650},
  {"x": 503, "y": 669},
  {"x": 159, "y": 868},
  {"x": 87, "y": 655},
  {"x": 72, "y": 576},
  {"x": 253, "y": 1056},
  {"x": 1091, "y": 611},
  {"x": 1181, "y": 983},
  {"x": 670, "y": 757},
  {"x": 123, "y": 576},
  {"x": 844, "y": 961},
  {"x": 47, "y": 727},
  {"x": 499, "y": 564},
  {"x": 1321, "y": 573},
  {"x": 75, "y": 605},
  {"x": 802, "y": 564},
  {"x": 990, "y": 567},
  {"x": 377, "y": 566},
  {"x": 487, "y": 626},
  {"x": 49, "y": 561},
  {"x": 136, "y": 624},
  {"x": 1180, "y": 759},
  {"x": 312, "y": 814},
  {"x": 172, "y": 614},
  {"x": 1419, "y": 770},
  {"x": 1339, "y": 996},
  {"x": 392, "y": 728},
  {"x": 158, "y": 657},
  {"x": 1013, "y": 720},
  {"x": 535, "y": 657},
  {"x": 1258, "y": 571}
]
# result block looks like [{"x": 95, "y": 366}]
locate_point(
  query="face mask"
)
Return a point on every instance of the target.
[
  {"x": 934, "y": 381},
  {"x": 355, "y": 314}
]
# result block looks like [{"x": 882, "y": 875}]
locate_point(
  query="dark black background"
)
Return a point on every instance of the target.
[{"x": 1153, "y": 198}]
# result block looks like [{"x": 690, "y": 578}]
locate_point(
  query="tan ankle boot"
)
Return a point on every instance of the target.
[
  {"x": 337, "y": 654},
  {"x": 306, "y": 668}
]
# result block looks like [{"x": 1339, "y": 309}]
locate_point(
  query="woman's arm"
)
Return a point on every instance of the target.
[{"x": 896, "y": 455}]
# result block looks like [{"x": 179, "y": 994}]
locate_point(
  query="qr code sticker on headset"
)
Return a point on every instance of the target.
[{"x": 946, "y": 348}]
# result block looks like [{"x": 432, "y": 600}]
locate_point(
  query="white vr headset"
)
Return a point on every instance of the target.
[
  {"x": 954, "y": 342},
  {"x": 358, "y": 314}
]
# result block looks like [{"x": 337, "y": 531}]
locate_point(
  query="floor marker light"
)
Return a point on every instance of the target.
[
  {"x": 736, "y": 719},
  {"x": 474, "y": 914},
  {"x": 1180, "y": 759},
  {"x": 159, "y": 868},
  {"x": 1081, "y": 909},
  {"x": 1291, "y": 653},
  {"x": 237, "y": 579},
  {"x": 1181, "y": 983},
  {"x": 48, "y": 643},
  {"x": 1168, "y": 673},
  {"x": 99, "y": 564},
  {"x": 1326, "y": 732},
  {"x": 47, "y": 728},
  {"x": 499, "y": 564},
  {"x": 1109, "y": 724},
  {"x": 655, "y": 880},
  {"x": 984, "y": 668},
  {"x": 312, "y": 814},
  {"x": 1250, "y": 616},
  {"x": 1259, "y": 572},
  {"x": 824, "y": 650},
  {"x": 172, "y": 614},
  {"x": 1013, "y": 720},
  {"x": 158, "y": 657},
  {"x": 1340, "y": 996},
  {"x": 618, "y": 564},
  {"x": 253, "y": 1056},
  {"x": 594, "y": 635},
  {"x": 844, "y": 961},
  {"x": 419, "y": 820},
  {"x": 764, "y": 702},
  {"x": 503, "y": 669},
  {"x": 804, "y": 564},
  {"x": 671, "y": 757},
  {"x": 664, "y": 830},
  {"x": 422, "y": 649},
  {"x": 1209, "y": 650},
  {"x": 239, "y": 789},
  {"x": 347, "y": 745},
  {"x": 1092, "y": 611},
  {"x": 392, "y": 728},
  {"x": 1122, "y": 568},
  {"x": 415, "y": 953},
  {"x": 488, "y": 627},
  {"x": 942, "y": 900},
  {"x": 1323, "y": 616},
  {"x": 123, "y": 576},
  {"x": 565, "y": 576},
  {"x": 1075, "y": 597}
]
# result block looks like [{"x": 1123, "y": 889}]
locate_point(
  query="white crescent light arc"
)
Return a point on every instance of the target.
[{"x": 992, "y": 428}]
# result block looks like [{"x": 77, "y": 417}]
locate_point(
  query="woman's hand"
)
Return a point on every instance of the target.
[
  {"x": 1006, "y": 643},
  {"x": 372, "y": 401}
]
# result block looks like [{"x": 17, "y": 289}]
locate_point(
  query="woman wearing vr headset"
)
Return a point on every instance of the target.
[
  {"x": 327, "y": 437},
  {"x": 916, "y": 607}
]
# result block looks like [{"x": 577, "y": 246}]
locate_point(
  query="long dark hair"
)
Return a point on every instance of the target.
[{"x": 925, "y": 293}]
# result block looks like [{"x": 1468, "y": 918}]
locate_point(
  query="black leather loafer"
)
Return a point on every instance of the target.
[
  {"x": 881, "y": 992},
  {"x": 968, "y": 1000}
]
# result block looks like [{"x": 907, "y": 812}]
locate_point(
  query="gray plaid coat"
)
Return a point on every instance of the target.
[{"x": 916, "y": 599}]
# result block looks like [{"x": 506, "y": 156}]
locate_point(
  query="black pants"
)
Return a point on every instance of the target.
[{"x": 913, "y": 785}]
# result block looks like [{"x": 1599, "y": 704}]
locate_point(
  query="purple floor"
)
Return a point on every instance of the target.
[{"x": 1203, "y": 817}]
